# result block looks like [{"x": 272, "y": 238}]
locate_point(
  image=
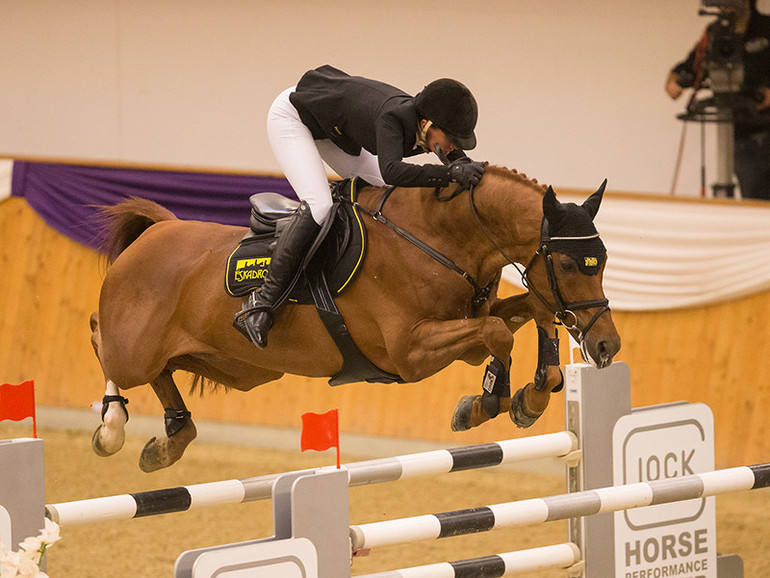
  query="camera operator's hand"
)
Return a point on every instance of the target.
[
  {"x": 673, "y": 89},
  {"x": 764, "y": 101},
  {"x": 468, "y": 174}
]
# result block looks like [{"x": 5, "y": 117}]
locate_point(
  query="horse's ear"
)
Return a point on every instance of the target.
[
  {"x": 552, "y": 208},
  {"x": 592, "y": 203}
]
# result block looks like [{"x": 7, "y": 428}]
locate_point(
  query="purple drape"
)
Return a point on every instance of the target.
[{"x": 67, "y": 196}]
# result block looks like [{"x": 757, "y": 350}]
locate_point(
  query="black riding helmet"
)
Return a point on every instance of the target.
[{"x": 450, "y": 106}]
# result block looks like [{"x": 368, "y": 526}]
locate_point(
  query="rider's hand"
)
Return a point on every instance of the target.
[{"x": 468, "y": 174}]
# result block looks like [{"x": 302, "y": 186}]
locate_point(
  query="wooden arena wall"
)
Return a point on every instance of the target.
[{"x": 49, "y": 286}]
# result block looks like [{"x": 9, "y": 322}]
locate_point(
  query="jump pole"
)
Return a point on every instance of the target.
[
  {"x": 180, "y": 499},
  {"x": 561, "y": 556},
  {"x": 561, "y": 507},
  {"x": 592, "y": 413}
]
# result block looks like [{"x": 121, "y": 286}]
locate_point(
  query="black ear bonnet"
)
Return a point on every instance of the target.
[{"x": 569, "y": 229}]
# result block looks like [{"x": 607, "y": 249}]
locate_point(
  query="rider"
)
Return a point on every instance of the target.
[{"x": 359, "y": 127}]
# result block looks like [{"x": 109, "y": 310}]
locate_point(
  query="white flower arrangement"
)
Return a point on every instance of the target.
[{"x": 26, "y": 562}]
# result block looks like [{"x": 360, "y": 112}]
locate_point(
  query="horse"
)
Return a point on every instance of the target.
[{"x": 412, "y": 310}]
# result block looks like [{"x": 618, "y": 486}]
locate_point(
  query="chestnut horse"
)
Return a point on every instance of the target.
[{"x": 163, "y": 308}]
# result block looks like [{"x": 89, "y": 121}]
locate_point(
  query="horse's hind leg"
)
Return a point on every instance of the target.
[
  {"x": 110, "y": 435},
  {"x": 160, "y": 453}
]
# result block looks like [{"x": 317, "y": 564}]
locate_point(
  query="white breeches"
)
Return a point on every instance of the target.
[{"x": 302, "y": 159}]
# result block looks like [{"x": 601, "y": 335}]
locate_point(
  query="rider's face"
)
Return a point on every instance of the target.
[{"x": 435, "y": 136}]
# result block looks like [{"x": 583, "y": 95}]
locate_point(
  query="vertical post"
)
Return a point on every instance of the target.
[
  {"x": 315, "y": 507},
  {"x": 725, "y": 185},
  {"x": 594, "y": 400},
  {"x": 22, "y": 495},
  {"x": 310, "y": 517}
]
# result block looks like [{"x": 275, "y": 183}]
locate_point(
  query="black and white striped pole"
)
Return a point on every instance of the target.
[
  {"x": 183, "y": 498},
  {"x": 561, "y": 507}
]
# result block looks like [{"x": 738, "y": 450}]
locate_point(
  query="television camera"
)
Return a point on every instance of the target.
[
  {"x": 724, "y": 73},
  {"x": 724, "y": 61}
]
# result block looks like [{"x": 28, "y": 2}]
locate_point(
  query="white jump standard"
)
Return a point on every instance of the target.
[{"x": 619, "y": 460}]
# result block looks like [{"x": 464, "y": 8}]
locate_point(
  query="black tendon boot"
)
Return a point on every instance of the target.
[{"x": 287, "y": 256}]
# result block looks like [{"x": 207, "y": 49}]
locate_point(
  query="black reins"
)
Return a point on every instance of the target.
[
  {"x": 560, "y": 309},
  {"x": 480, "y": 294}
]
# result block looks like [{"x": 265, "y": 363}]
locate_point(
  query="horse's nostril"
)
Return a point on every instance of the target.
[
  {"x": 603, "y": 349},
  {"x": 605, "y": 353}
]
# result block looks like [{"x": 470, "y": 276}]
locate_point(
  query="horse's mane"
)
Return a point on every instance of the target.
[
  {"x": 121, "y": 224},
  {"x": 513, "y": 174}
]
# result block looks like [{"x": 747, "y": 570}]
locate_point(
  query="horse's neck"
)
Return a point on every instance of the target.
[
  {"x": 510, "y": 208},
  {"x": 449, "y": 222},
  {"x": 509, "y": 211},
  {"x": 447, "y": 227}
]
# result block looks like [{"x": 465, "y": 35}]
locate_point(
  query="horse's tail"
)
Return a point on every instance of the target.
[{"x": 124, "y": 222}]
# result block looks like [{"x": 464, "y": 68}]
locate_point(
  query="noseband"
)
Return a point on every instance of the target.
[{"x": 562, "y": 310}]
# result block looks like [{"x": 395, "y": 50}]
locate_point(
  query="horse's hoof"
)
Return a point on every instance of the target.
[
  {"x": 154, "y": 456},
  {"x": 518, "y": 414},
  {"x": 461, "y": 416},
  {"x": 159, "y": 453},
  {"x": 107, "y": 441}
]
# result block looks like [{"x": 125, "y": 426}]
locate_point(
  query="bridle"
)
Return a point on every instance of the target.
[{"x": 563, "y": 311}]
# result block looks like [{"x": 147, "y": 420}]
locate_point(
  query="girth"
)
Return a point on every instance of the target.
[{"x": 355, "y": 365}]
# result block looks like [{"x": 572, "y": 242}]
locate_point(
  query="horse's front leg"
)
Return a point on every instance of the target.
[
  {"x": 473, "y": 410},
  {"x": 435, "y": 344},
  {"x": 514, "y": 311},
  {"x": 530, "y": 401}
]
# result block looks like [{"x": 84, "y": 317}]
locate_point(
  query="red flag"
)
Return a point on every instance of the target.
[
  {"x": 320, "y": 431},
  {"x": 18, "y": 402}
]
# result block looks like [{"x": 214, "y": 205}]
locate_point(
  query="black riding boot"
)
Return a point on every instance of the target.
[{"x": 289, "y": 251}]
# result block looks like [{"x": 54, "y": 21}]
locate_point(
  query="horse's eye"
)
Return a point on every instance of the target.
[{"x": 568, "y": 265}]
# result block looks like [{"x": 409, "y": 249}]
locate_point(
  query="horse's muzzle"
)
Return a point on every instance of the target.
[{"x": 601, "y": 352}]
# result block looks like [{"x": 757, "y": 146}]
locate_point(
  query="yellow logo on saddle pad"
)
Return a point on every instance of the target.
[
  {"x": 590, "y": 261},
  {"x": 259, "y": 262},
  {"x": 246, "y": 269}
]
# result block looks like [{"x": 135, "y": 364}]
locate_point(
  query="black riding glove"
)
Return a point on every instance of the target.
[{"x": 468, "y": 174}]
